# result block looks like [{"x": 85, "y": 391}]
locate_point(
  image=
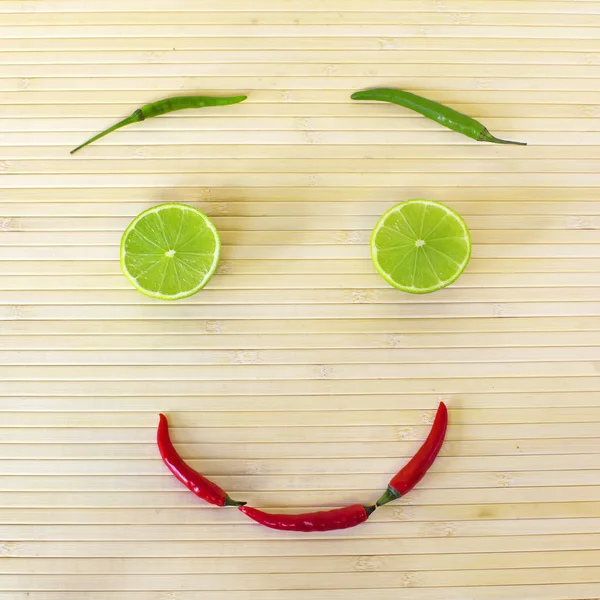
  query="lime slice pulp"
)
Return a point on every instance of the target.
[
  {"x": 170, "y": 251},
  {"x": 420, "y": 246}
]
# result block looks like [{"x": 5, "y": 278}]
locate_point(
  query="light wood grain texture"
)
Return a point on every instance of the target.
[{"x": 298, "y": 379}]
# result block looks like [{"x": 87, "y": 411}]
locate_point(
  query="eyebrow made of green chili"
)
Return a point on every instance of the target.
[
  {"x": 162, "y": 107},
  {"x": 444, "y": 115}
]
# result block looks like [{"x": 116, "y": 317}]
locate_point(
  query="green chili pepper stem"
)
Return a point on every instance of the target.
[
  {"x": 230, "y": 502},
  {"x": 387, "y": 496},
  {"x": 370, "y": 509},
  {"x": 486, "y": 136},
  {"x": 131, "y": 119},
  {"x": 164, "y": 106}
]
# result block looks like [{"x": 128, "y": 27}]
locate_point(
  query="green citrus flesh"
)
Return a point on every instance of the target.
[
  {"x": 170, "y": 251},
  {"x": 420, "y": 246}
]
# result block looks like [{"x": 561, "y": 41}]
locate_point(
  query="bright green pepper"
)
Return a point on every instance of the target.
[
  {"x": 165, "y": 106},
  {"x": 444, "y": 115}
]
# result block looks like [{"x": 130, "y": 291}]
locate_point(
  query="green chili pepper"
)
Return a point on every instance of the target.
[
  {"x": 166, "y": 106},
  {"x": 444, "y": 115}
]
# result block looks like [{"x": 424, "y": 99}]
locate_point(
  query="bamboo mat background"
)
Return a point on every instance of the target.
[{"x": 298, "y": 378}]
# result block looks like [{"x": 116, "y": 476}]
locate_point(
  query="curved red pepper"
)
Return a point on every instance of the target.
[
  {"x": 325, "y": 520},
  {"x": 202, "y": 487},
  {"x": 414, "y": 470}
]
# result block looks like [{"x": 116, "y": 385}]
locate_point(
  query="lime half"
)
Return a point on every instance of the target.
[
  {"x": 170, "y": 251},
  {"x": 420, "y": 246}
]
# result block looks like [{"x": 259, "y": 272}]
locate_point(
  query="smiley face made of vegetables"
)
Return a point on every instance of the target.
[{"x": 172, "y": 251}]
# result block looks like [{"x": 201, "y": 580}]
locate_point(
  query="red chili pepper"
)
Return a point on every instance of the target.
[
  {"x": 202, "y": 487},
  {"x": 413, "y": 471},
  {"x": 325, "y": 520}
]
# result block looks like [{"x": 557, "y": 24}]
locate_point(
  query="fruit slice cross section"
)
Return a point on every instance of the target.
[
  {"x": 420, "y": 246},
  {"x": 170, "y": 251}
]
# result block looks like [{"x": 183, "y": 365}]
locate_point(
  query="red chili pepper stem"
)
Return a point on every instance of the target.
[
  {"x": 414, "y": 470},
  {"x": 387, "y": 496},
  {"x": 230, "y": 502},
  {"x": 370, "y": 509}
]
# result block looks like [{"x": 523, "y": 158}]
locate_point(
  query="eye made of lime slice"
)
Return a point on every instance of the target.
[
  {"x": 170, "y": 251},
  {"x": 420, "y": 246}
]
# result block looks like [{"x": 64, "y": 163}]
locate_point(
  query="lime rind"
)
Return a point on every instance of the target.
[
  {"x": 206, "y": 276},
  {"x": 398, "y": 210}
]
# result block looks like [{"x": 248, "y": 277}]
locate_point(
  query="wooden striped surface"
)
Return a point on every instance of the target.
[{"x": 298, "y": 378}]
